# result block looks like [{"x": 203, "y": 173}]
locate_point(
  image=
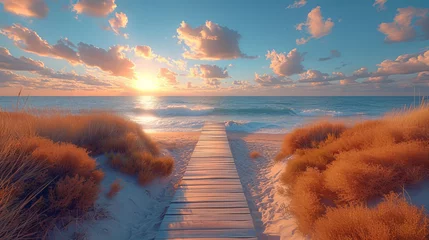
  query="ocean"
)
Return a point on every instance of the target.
[{"x": 241, "y": 114}]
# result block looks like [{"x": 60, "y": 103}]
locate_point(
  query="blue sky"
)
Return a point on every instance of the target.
[{"x": 263, "y": 26}]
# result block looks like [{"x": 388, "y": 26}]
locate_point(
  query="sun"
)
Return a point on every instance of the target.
[{"x": 145, "y": 83}]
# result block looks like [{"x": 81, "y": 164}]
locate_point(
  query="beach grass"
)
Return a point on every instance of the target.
[
  {"x": 335, "y": 170},
  {"x": 47, "y": 174}
]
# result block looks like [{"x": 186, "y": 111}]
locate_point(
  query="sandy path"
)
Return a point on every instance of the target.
[{"x": 260, "y": 182}]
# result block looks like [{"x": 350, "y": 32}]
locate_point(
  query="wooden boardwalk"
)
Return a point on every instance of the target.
[{"x": 209, "y": 202}]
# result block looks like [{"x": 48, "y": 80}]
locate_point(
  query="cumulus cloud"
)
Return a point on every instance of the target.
[
  {"x": 26, "y": 8},
  {"x": 403, "y": 28},
  {"x": 298, "y": 4},
  {"x": 113, "y": 60},
  {"x": 266, "y": 80},
  {"x": 95, "y": 8},
  {"x": 168, "y": 75},
  {"x": 334, "y": 54},
  {"x": 120, "y": 20},
  {"x": 378, "y": 79},
  {"x": 313, "y": 76},
  {"x": 208, "y": 71},
  {"x": 144, "y": 51},
  {"x": 422, "y": 77},
  {"x": 212, "y": 82},
  {"x": 9, "y": 62},
  {"x": 315, "y": 25},
  {"x": 210, "y": 42},
  {"x": 240, "y": 83},
  {"x": 379, "y": 4},
  {"x": 286, "y": 64},
  {"x": 405, "y": 64}
]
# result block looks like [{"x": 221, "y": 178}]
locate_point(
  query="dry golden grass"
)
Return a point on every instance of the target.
[
  {"x": 341, "y": 169},
  {"x": 310, "y": 137},
  {"x": 394, "y": 218},
  {"x": 254, "y": 155},
  {"x": 115, "y": 187},
  {"x": 46, "y": 174}
]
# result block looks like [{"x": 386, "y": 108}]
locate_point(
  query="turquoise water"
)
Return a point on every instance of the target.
[{"x": 247, "y": 114}]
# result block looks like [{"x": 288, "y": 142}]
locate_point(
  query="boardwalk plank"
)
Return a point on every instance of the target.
[{"x": 209, "y": 202}]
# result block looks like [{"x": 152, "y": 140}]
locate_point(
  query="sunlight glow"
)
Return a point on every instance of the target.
[{"x": 146, "y": 83}]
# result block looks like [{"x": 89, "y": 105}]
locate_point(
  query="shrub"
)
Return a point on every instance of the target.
[
  {"x": 341, "y": 169},
  {"x": 115, "y": 187},
  {"x": 310, "y": 137},
  {"x": 394, "y": 218},
  {"x": 254, "y": 155},
  {"x": 46, "y": 175}
]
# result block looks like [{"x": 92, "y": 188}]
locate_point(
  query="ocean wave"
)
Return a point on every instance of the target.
[
  {"x": 252, "y": 127},
  {"x": 319, "y": 112},
  {"x": 210, "y": 111}
]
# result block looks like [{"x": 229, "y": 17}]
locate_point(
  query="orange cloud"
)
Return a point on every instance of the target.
[
  {"x": 95, "y": 8},
  {"x": 405, "y": 64},
  {"x": 168, "y": 75},
  {"x": 144, "y": 51},
  {"x": 9, "y": 62},
  {"x": 268, "y": 80},
  {"x": 212, "y": 82},
  {"x": 208, "y": 71},
  {"x": 315, "y": 25},
  {"x": 112, "y": 61},
  {"x": 210, "y": 42},
  {"x": 30, "y": 41},
  {"x": 286, "y": 64},
  {"x": 26, "y": 8},
  {"x": 120, "y": 20},
  {"x": 402, "y": 28}
]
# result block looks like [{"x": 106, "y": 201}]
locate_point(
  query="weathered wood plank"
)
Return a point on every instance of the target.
[
  {"x": 209, "y": 202},
  {"x": 208, "y": 211},
  {"x": 221, "y": 233},
  {"x": 223, "y": 205},
  {"x": 212, "y": 217},
  {"x": 205, "y": 225}
]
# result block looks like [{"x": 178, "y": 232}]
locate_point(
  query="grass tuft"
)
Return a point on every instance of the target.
[
  {"x": 115, "y": 187},
  {"x": 335, "y": 170},
  {"x": 254, "y": 155}
]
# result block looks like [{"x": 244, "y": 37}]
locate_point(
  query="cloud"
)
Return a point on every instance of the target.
[
  {"x": 144, "y": 51},
  {"x": 402, "y": 29},
  {"x": 168, "y": 75},
  {"x": 379, "y": 79},
  {"x": 361, "y": 73},
  {"x": 240, "y": 83},
  {"x": 95, "y": 8},
  {"x": 313, "y": 76},
  {"x": 319, "y": 84},
  {"x": 334, "y": 54},
  {"x": 8, "y": 78},
  {"x": 26, "y": 8},
  {"x": 113, "y": 60},
  {"x": 348, "y": 82},
  {"x": 269, "y": 80},
  {"x": 9, "y": 62},
  {"x": 422, "y": 77},
  {"x": 315, "y": 25},
  {"x": 286, "y": 64},
  {"x": 405, "y": 64},
  {"x": 298, "y": 4},
  {"x": 120, "y": 20},
  {"x": 208, "y": 71},
  {"x": 379, "y": 4},
  {"x": 189, "y": 85},
  {"x": 212, "y": 82},
  {"x": 30, "y": 41},
  {"x": 210, "y": 42}
]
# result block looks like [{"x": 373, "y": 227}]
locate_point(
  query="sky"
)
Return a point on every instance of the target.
[{"x": 223, "y": 47}]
